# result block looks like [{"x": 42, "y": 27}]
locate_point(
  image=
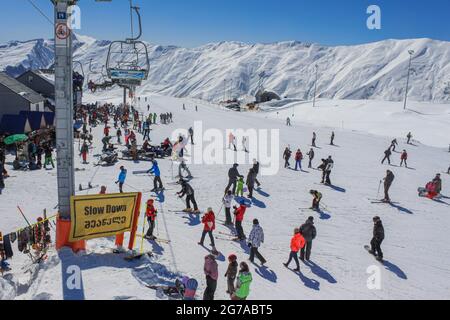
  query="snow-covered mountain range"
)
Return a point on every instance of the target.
[{"x": 232, "y": 69}]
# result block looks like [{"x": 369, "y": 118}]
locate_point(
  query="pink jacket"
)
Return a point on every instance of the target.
[{"x": 210, "y": 267}]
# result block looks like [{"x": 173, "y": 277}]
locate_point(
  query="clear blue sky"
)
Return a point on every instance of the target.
[{"x": 195, "y": 22}]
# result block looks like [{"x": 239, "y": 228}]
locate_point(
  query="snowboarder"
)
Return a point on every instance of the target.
[
  {"x": 387, "y": 156},
  {"x": 84, "y": 151},
  {"x": 211, "y": 272},
  {"x": 227, "y": 201},
  {"x": 403, "y": 159},
  {"x": 378, "y": 237},
  {"x": 188, "y": 191},
  {"x": 409, "y": 137},
  {"x": 121, "y": 178},
  {"x": 309, "y": 233},
  {"x": 151, "y": 213},
  {"x": 297, "y": 243},
  {"x": 243, "y": 283},
  {"x": 317, "y": 196},
  {"x": 310, "y": 154},
  {"x": 239, "y": 217},
  {"x": 233, "y": 174},
  {"x": 314, "y": 140},
  {"x": 191, "y": 135},
  {"x": 255, "y": 239},
  {"x": 286, "y": 156},
  {"x": 298, "y": 160},
  {"x": 387, "y": 184},
  {"x": 231, "y": 273},
  {"x": 157, "y": 182},
  {"x": 251, "y": 177},
  {"x": 209, "y": 225}
]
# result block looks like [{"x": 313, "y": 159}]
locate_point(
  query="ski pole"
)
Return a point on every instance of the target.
[
  {"x": 142, "y": 239},
  {"x": 23, "y": 215},
  {"x": 379, "y": 187}
]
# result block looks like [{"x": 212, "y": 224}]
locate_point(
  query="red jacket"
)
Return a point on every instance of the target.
[
  {"x": 151, "y": 211},
  {"x": 239, "y": 213},
  {"x": 297, "y": 242},
  {"x": 404, "y": 156},
  {"x": 207, "y": 220},
  {"x": 298, "y": 156}
]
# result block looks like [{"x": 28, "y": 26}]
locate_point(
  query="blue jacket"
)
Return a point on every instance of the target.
[
  {"x": 122, "y": 176},
  {"x": 155, "y": 170}
]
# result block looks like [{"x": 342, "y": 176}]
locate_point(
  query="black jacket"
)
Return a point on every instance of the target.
[
  {"x": 233, "y": 173},
  {"x": 251, "y": 177},
  {"x": 256, "y": 168},
  {"x": 389, "y": 178},
  {"x": 308, "y": 230},
  {"x": 378, "y": 231},
  {"x": 186, "y": 190}
]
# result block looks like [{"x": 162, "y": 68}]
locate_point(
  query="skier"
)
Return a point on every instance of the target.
[
  {"x": 151, "y": 214},
  {"x": 328, "y": 168},
  {"x": 157, "y": 183},
  {"x": 309, "y": 233},
  {"x": 256, "y": 170},
  {"x": 378, "y": 237},
  {"x": 387, "y": 185},
  {"x": 298, "y": 160},
  {"x": 227, "y": 201},
  {"x": 239, "y": 217},
  {"x": 251, "y": 177},
  {"x": 286, "y": 156},
  {"x": 119, "y": 136},
  {"x": 121, "y": 178},
  {"x": 243, "y": 283},
  {"x": 317, "y": 196},
  {"x": 297, "y": 243},
  {"x": 231, "y": 273},
  {"x": 409, "y": 137},
  {"x": 255, "y": 239},
  {"x": 403, "y": 159},
  {"x": 394, "y": 143},
  {"x": 84, "y": 151},
  {"x": 387, "y": 156},
  {"x": 191, "y": 135},
  {"x": 288, "y": 121},
  {"x": 209, "y": 225},
  {"x": 437, "y": 183},
  {"x": 233, "y": 174},
  {"x": 211, "y": 272},
  {"x": 187, "y": 190},
  {"x": 332, "y": 138},
  {"x": 184, "y": 167},
  {"x": 314, "y": 140},
  {"x": 310, "y": 154}
]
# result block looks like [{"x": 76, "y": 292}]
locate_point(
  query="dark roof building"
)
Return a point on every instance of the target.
[{"x": 38, "y": 82}]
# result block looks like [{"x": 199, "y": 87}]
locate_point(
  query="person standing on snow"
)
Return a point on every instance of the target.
[
  {"x": 255, "y": 239},
  {"x": 313, "y": 143},
  {"x": 188, "y": 191},
  {"x": 239, "y": 217},
  {"x": 332, "y": 138},
  {"x": 256, "y": 170},
  {"x": 84, "y": 152},
  {"x": 244, "y": 144},
  {"x": 310, "y": 154},
  {"x": 394, "y": 143},
  {"x": 119, "y": 135},
  {"x": 387, "y": 184},
  {"x": 378, "y": 237},
  {"x": 437, "y": 183},
  {"x": 250, "y": 182},
  {"x": 211, "y": 272},
  {"x": 227, "y": 201},
  {"x": 297, "y": 243},
  {"x": 191, "y": 135},
  {"x": 288, "y": 121},
  {"x": 209, "y": 225},
  {"x": 317, "y": 196},
  {"x": 387, "y": 156},
  {"x": 122, "y": 177},
  {"x": 233, "y": 174},
  {"x": 151, "y": 214},
  {"x": 48, "y": 156},
  {"x": 243, "y": 283},
  {"x": 298, "y": 160},
  {"x": 157, "y": 183},
  {"x": 309, "y": 233},
  {"x": 409, "y": 137},
  {"x": 403, "y": 159},
  {"x": 286, "y": 156},
  {"x": 231, "y": 273},
  {"x": 185, "y": 168},
  {"x": 328, "y": 168}
]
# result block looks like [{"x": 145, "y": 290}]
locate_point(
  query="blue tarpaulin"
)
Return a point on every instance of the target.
[{"x": 14, "y": 124}]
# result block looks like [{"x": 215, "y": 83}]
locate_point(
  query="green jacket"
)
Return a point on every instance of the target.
[{"x": 243, "y": 285}]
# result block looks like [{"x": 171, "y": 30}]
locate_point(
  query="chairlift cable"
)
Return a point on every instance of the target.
[{"x": 42, "y": 12}]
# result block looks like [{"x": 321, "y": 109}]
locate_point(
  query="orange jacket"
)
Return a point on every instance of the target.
[{"x": 297, "y": 242}]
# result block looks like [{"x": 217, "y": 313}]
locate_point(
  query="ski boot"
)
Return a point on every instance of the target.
[{"x": 188, "y": 210}]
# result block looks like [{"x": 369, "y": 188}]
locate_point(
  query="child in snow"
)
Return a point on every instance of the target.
[
  {"x": 243, "y": 283},
  {"x": 121, "y": 178},
  {"x": 240, "y": 187},
  {"x": 231, "y": 273}
]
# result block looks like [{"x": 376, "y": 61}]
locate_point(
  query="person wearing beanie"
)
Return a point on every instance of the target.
[
  {"x": 309, "y": 233},
  {"x": 255, "y": 239},
  {"x": 211, "y": 272},
  {"x": 243, "y": 283},
  {"x": 151, "y": 214},
  {"x": 231, "y": 273},
  {"x": 209, "y": 225}
]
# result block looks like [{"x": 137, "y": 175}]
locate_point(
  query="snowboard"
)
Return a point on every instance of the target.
[{"x": 368, "y": 250}]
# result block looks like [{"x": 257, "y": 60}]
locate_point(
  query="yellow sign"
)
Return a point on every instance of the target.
[{"x": 97, "y": 216}]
